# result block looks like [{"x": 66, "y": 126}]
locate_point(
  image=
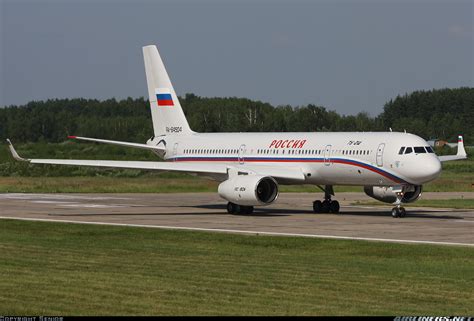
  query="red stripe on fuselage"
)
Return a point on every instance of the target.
[{"x": 299, "y": 160}]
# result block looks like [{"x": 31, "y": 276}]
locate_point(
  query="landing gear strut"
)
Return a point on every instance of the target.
[
  {"x": 327, "y": 205},
  {"x": 398, "y": 210},
  {"x": 239, "y": 209}
]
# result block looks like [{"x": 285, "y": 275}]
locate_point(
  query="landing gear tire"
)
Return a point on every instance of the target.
[
  {"x": 317, "y": 206},
  {"x": 231, "y": 208},
  {"x": 326, "y": 206},
  {"x": 403, "y": 213},
  {"x": 237, "y": 209},
  {"x": 395, "y": 212},
  {"x": 334, "y": 207},
  {"x": 398, "y": 212}
]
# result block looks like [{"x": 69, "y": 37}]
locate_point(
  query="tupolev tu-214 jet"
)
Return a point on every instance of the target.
[{"x": 390, "y": 166}]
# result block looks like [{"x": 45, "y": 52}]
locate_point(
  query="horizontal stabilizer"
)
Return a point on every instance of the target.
[{"x": 115, "y": 142}]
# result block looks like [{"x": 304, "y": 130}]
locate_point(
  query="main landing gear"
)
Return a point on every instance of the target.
[
  {"x": 239, "y": 209},
  {"x": 327, "y": 205}
]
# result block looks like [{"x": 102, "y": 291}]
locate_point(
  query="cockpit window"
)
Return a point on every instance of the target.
[
  {"x": 408, "y": 150},
  {"x": 419, "y": 150},
  {"x": 429, "y": 149},
  {"x": 401, "y": 151}
]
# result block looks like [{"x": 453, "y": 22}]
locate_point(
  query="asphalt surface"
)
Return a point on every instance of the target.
[{"x": 291, "y": 215}]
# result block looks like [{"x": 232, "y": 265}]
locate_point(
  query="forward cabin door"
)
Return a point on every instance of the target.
[
  {"x": 327, "y": 155},
  {"x": 379, "y": 157},
  {"x": 242, "y": 154}
]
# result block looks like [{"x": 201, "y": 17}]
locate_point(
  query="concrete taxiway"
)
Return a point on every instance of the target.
[{"x": 291, "y": 215}]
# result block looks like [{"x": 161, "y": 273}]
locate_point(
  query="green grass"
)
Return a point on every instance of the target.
[
  {"x": 452, "y": 181},
  {"x": 104, "y": 184},
  {"x": 75, "y": 269},
  {"x": 443, "y": 203}
]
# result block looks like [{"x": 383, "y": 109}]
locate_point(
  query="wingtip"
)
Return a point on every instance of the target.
[
  {"x": 14, "y": 153},
  {"x": 72, "y": 137},
  {"x": 461, "y": 149}
]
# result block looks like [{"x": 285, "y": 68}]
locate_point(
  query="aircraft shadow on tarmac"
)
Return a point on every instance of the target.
[{"x": 271, "y": 212}]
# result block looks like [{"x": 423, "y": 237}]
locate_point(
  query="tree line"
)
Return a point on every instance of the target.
[{"x": 442, "y": 113}]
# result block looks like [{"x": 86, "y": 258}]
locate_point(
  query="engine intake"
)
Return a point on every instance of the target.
[
  {"x": 387, "y": 195},
  {"x": 249, "y": 190}
]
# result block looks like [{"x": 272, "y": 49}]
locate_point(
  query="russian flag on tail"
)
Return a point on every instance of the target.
[{"x": 164, "y": 98}]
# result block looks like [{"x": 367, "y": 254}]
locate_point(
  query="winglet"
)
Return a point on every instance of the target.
[
  {"x": 14, "y": 153},
  {"x": 461, "y": 150}
]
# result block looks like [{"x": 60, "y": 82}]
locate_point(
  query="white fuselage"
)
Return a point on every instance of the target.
[{"x": 339, "y": 158}]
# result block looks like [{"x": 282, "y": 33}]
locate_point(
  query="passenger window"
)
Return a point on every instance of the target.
[
  {"x": 419, "y": 150},
  {"x": 408, "y": 150},
  {"x": 429, "y": 149},
  {"x": 401, "y": 151}
]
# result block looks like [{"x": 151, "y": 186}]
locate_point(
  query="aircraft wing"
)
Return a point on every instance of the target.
[
  {"x": 461, "y": 154},
  {"x": 289, "y": 173}
]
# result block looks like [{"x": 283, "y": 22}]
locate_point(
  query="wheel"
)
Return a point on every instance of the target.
[
  {"x": 334, "y": 207},
  {"x": 231, "y": 208},
  {"x": 403, "y": 213},
  {"x": 317, "y": 206},
  {"x": 395, "y": 212},
  {"x": 326, "y": 206},
  {"x": 248, "y": 209}
]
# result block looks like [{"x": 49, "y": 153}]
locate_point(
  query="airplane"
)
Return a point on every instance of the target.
[{"x": 390, "y": 166}]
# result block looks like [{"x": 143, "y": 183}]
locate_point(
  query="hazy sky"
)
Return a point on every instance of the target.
[{"x": 349, "y": 56}]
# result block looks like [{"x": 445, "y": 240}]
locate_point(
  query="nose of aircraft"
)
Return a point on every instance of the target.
[{"x": 428, "y": 170}]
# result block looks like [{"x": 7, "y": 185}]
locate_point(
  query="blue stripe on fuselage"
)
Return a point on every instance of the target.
[{"x": 294, "y": 160}]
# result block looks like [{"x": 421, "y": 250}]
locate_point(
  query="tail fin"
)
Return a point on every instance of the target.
[{"x": 166, "y": 112}]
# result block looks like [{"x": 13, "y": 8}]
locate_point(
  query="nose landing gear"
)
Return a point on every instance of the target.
[{"x": 398, "y": 210}]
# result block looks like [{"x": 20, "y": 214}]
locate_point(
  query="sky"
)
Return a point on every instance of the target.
[{"x": 347, "y": 55}]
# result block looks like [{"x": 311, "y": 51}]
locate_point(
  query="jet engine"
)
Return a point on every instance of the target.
[
  {"x": 249, "y": 190},
  {"x": 387, "y": 195}
]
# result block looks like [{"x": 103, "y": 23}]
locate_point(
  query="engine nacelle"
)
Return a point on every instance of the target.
[
  {"x": 249, "y": 190},
  {"x": 387, "y": 195}
]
